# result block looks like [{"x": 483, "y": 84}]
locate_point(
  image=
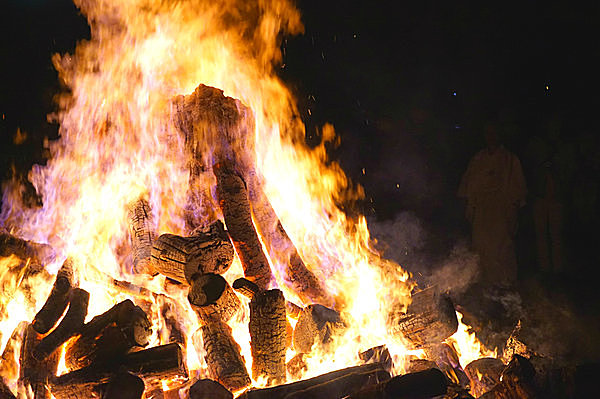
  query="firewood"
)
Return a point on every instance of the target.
[
  {"x": 142, "y": 234},
  {"x": 9, "y": 362},
  {"x": 282, "y": 250},
  {"x": 281, "y": 391},
  {"x": 316, "y": 326},
  {"x": 57, "y": 301},
  {"x": 343, "y": 386},
  {"x": 69, "y": 325},
  {"x": 429, "y": 319},
  {"x": 5, "y": 392},
  {"x": 416, "y": 365},
  {"x": 517, "y": 381},
  {"x": 206, "y": 251},
  {"x": 223, "y": 358},
  {"x": 153, "y": 365},
  {"x": 209, "y": 389},
  {"x": 36, "y": 373},
  {"x": 484, "y": 374},
  {"x": 297, "y": 366},
  {"x": 233, "y": 200},
  {"x": 246, "y": 287},
  {"x": 446, "y": 359},
  {"x": 108, "y": 336},
  {"x": 213, "y": 298},
  {"x": 420, "y": 385},
  {"x": 378, "y": 354},
  {"x": 37, "y": 254},
  {"x": 124, "y": 385},
  {"x": 268, "y": 336}
]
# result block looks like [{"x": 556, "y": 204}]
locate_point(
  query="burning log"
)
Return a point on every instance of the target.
[
  {"x": 109, "y": 336},
  {"x": 233, "y": 200},
  {"x": 484, "y": 374},
  {"x": 213, "y": 298},
  {"x": 297, "y": 365},
  {"x": 343, "y": 386},
  {"x": 180, "y": 258},
  {"x": 124, "y": 385},
  {"x": 168, "y": 310},
  {"x": 316, "y": 325},
  {"x": 9, "y": 366},
  {"x": 223, "y": 358},
  {"x": 246, "y": 287},
  {"x": 429, "y": 319},
  {"x": 282, "y": 391},
  {"x": 301, "y": 280},
  {"x": 69, "y": 325},
  {"x": 378, "y": 354},
  {"x": 209, "y": 389},
  {"x": 57, "y": 301},
  {"x": 416, "y": 365},
  {"x": 36, "y": 373},
  {"x": 517, "y": 381},
  {"x": 141, "y": 231},
  {"x": 6, "y": 393},
  {"x": 268, "y": 335},
  {"x": 420, "y": 385},
  {"x": 38, "y": 254},
  {"x": 152, "y": 365},
  {"x": 446, "y": 359}
]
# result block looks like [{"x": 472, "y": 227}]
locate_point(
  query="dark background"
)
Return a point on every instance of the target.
[{"x": 409, "y": 87}]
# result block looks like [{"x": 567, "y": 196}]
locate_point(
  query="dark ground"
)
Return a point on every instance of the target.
[{"x": 409, "y": 88}]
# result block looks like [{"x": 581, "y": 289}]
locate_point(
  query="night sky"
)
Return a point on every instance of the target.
[{"x": 409, "y": 87}]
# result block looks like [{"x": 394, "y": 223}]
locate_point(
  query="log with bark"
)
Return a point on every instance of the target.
[
  {"x": 424, "y": 384},
  {"x": 484, "y": 374},
  {"x": 300, "y": 279},
  {"x": 70, "y": 324},
  {"x": 516, "y": 381},
  {"x": 207, "y": 250},
  {"x": 282, "y": 391},
  {"x": 316, "y": 325},
  {"x": 142, "y": 235},
  {"x": 153, "y": 365},
  {"x": 212, "y": 297},
  {"x": 109, "y": 336},
  {"x": 223, "y": 358},
  {"x": 429, "y": 319},
  {"x": 36, "y": 373},
  {"x": 9, "y": 362},
  {"x": 233, "y": 200},
  {"x": 209, "y": 389},
  {"x": 343, "y": 386},
  {"x": 268, "y": 336},
  {"x": 124, "y": 385},
  {"x": 57, "y": 301}
]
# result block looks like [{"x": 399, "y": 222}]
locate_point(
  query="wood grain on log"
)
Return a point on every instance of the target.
[
  {"x": 484, "y": 374},
  {"x": 70, "y": 324},
  {"x": 316, "y": 326},
  {"x": 57, "y": 301},
  {"x": 246, "y": 287},
  {"x": 9, "y": 362},
  {"x": 124, "y": 385},
  {"x": 36, "y": 373},
  {"x": 209, "y": 389},
  {"x": 268, "y": 336},
  {"x": 429, "y": 319},
  {"x": 206, "y": 251},
  {"x": 212, "y": 298},
  {"x": 233, "y": 200},
  {"x": 142, "y": 234},
  {"x": 109, "y": 336},
  {"x": 223, "y": 358}
]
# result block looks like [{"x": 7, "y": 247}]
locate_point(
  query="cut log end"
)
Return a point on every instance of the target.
[{"x": 213, "y": 298}]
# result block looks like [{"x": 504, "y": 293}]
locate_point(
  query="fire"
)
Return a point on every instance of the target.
[
  {"x": 118, "y": 142},
  {"x": 466, "y": 344}
]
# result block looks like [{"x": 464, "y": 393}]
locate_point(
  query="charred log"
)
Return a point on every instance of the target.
[
  {"x": 233, "y": 200},
  {"x": 209, "y": 389},
  {"x": 141, "y": 231},
  {"x": 517, "y": 381},
  {"x": 316, "y": 326},
  {"x": 429, "y": 319},
  {"x": 213, "y": 298},
  {"x": 223, "y": 358},
  {"x": 246, "y": 287},
  {"x": 268, "y": 335},
  {"x": 343, "y": 386},
  {"x": 378, "y": 354},
  {"x": 484, "y": 374},
  {"x": 206, "y": 251},
  {"x": 57, "y": 301},
  {"x": 420, "y": 385},
  {"x": 124, "y": 385},
  {"x": 38, "y": 254},
  {"x": 282, "y": 391},
  {"x": 109, "y": 336},
  {"x": 69, "y": 325},
  {"x": 5, "y": 392},
  {"x": 446, "y": 359},
  {"x": 36, "y": 373}
]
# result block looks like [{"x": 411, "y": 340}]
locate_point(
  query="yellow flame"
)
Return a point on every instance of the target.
[{"x": 466, "y": 344}]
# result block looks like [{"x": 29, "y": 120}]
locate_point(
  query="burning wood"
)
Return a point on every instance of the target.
[
  {"x": 57, "y": 301},
  {"x": 213, "y": 298},
  {"x": 206, "y": 251},
  {"x": 517, "y": 381},
  {"x": 124, "y": 385},
  {"x": 37, "y": 254},
  {"x": 109, "y": 336},
  {"x": 429, "y": 319},
  {"x": 484, "y": 374},
  {"x": 423, "y": 384},
  {"x": 316, "y": 325},
  {"x": 141, "y": 231},
  {"x": 5, "y": 392},
  {"x": 36, "y": 373},
  {"x": 9, "y": 366},
  {"x": 209, "y": 389}
]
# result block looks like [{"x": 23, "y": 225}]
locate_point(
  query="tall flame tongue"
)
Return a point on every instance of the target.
[{"x": 118, "y": 142}]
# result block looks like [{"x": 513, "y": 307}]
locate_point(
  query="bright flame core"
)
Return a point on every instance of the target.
[{"x": 118, "y": 142}]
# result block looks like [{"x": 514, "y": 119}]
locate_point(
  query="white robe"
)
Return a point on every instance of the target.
[{"x": 494, "y": 188}]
